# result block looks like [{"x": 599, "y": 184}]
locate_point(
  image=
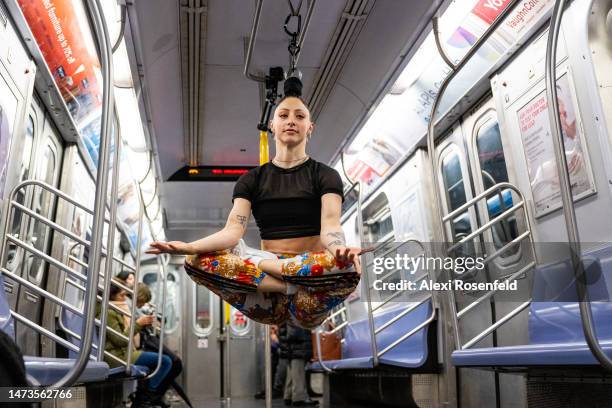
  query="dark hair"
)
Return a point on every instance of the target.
[
  {"x": 114, "y": 291},
  {"x": 123, "y": 275},
  {"x": 293, "y": 96}
]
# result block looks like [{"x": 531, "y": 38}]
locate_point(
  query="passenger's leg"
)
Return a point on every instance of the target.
[
  {"x": 298, "y": 378},
  {"x": 149, "y": 359},
  {"x": 288, "y": 383}
]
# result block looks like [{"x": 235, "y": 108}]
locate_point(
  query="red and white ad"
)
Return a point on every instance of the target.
[
  {"x": 68, "y": 50},
  {"x": 539, "y": 150}
]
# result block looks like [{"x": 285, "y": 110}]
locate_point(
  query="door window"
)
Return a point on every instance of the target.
[
  {"x": 202, "y": 309},
  {"x": 43, "y": 203},
  {"x": 493, "y": 170},
  {"x": 24, "y": 172},
  {"x": 454, "y": 186}
]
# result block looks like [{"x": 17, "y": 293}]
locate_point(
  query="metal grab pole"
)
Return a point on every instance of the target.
[
  {"x": 439, "y": 227},
  {"x": 128, "y": 369},
  {"x": 264, "y": 157},
  {"x": 111, "y": 240},
  {"x": 364, "y": 272},
  {"x": 164, "y": 276},
  {"x": 100, "y": 30},
  {"x": 249, "y": 51},
  {"x": 366, "y": 280},
  {"x": 569, "y": 212}
]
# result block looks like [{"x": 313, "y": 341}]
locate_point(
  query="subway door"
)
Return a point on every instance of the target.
[
  {"x": 456, "y": 188},
  {"x": 201, "y": 356},
  {"x": 487, "y": 151},
  {"x": 29, "y": 304},
  {"x": 243, "y": 370},
  {"x": 15, "y": 255}
]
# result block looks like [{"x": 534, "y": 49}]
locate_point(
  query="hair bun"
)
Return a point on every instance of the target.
[{"x": 292, "y": 87}]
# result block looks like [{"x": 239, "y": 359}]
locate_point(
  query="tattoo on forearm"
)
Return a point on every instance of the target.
[
  {"x": 242, "y": 220},
  {"x": 338, "y": 239}
]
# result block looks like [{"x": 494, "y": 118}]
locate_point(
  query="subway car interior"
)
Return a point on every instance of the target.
[{"x": 473, "y": 142}]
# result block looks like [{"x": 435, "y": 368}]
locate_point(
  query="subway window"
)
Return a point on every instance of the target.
[
  {"x": 493, "y": 170},
  {"x": 203, "y": 309},
  {"x": 24, "y": 171},
  {"x": 452, "y": 177}
]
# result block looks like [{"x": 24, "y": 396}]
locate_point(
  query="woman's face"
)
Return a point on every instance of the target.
[
  {"x": 121, "y": 296},
  {"x": 130, "y": 280},
  {"x": 291, "y": 124}
]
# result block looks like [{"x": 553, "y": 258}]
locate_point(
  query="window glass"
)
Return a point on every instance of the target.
[
  {"x": 378, "y": 225},
  {"x": 455, "y": 194},
  {"x": 350, "y": 198},
  {"x": 24, "y": 171},
  {"x": 42, "y": 204},
  {"x": 202, "y": 315},
  {"x": 493, "y": 171}
]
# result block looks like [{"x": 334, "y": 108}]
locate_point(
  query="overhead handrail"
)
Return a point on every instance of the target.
[
  {"x": 249, "y": 51},
  {"x": 439, "y": 227},
  {"x": 569, "y": 212},
  {"x": 253, "y": 36}
]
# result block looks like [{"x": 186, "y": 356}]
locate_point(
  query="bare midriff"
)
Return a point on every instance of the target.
[{"x": 293, "y": 245}]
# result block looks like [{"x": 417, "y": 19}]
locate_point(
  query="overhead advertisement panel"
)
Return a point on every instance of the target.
[
  {"x": 401, "y": 119},
  {"x": 69, "y": 52}
]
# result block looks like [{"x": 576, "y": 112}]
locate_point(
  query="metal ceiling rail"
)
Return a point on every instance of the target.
[
  {"x": 569, "y": 211},
  {"x": 439, "y": 228},
  {"x": 252, "y": 39}
]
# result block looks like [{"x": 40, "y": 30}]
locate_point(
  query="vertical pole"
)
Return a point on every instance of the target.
[
  {"x": 264, "y": 157},
  {"x": 111, "y": 240},
  {"x": 365, "y": 286},
  {"x": 93, "y": 267},
  {"x": 227, "y": 374}
]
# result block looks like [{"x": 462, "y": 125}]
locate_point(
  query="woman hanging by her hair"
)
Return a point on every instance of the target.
[{"x": 305, "y": 268}]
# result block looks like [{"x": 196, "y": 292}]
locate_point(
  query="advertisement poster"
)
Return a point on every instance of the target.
[
  {"x": 8, "y": 110},
  {"x": 539, "y": 150},
  {"x": 62, "y": 33}
]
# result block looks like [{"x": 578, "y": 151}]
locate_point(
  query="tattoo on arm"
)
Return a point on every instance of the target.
[
  {"x": 338, "y": 239},
  {"x": 242, "y": 220}
]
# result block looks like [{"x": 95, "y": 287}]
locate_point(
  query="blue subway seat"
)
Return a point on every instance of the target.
[
  {"x": 47, "y": 370},
  {"x": 6, "y": 321},
  {"x": 410, "y": 353},
  {"x": 556, "y": 337}
]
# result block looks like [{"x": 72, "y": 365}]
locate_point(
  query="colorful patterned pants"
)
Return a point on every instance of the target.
[{"x": 321, "y": 281}]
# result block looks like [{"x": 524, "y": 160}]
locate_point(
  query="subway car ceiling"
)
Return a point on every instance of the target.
[{"x": 352, "y": 52}]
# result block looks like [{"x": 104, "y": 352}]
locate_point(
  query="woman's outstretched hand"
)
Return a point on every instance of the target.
[
  {"x": 172, "y": 247},
  {"x": 349, "y": 255}
]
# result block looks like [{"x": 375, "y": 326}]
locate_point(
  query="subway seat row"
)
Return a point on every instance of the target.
[
  {"x": 556, "y": 337},
  {"x": 415, "y": 352},
  {"x": 48, "y": 370}
]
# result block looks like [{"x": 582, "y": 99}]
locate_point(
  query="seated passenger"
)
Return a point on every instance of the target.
[
  {"x": 306, "y": 268},
  {"x": 118, "y": 347}
]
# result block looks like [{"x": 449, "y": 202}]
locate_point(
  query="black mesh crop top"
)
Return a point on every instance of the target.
[{"x": 286, "y": 203}]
